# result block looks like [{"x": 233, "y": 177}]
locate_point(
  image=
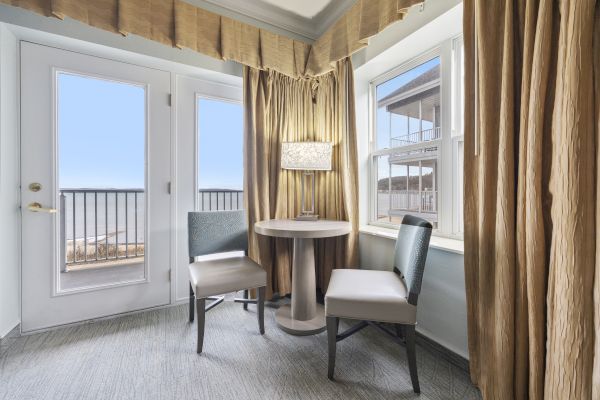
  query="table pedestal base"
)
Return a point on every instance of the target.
[{"x": 283, "y": 316}]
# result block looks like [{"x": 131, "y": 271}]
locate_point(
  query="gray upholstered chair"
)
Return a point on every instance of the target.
[
  {"x": 219, "y": 232},
  {"x": 382, "y": 296}
]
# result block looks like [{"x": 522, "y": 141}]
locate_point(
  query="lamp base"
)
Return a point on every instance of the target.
[{"x": 307, "y": 217}]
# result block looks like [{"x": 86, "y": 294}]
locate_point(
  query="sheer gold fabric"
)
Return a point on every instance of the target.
[
  {"x": 180, "y": 24},
  {"x": 532, "y": 124},
  {"x": 277, "y": 109}
]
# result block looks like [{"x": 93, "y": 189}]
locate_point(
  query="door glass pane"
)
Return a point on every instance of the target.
[
  {"x": 220, "y": 155},
  {"x": 101, "y": 129}
]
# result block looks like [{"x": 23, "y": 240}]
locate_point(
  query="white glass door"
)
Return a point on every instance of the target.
[
  {"x": 95, "y": 170},
  {"x": 209, "y": 161}
]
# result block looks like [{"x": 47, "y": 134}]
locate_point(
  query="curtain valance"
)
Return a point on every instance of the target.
[{"x": 180, "y": 24}]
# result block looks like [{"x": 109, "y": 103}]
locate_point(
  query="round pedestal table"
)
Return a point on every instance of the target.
[{"x": 304, "y": 316}]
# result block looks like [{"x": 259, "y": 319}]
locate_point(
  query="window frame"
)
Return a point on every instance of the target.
[
  {"x": 457, "y": 134},
  {"x": 448, "y": 168}
]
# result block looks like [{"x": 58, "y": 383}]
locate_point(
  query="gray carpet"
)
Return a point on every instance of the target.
[{"x": 151, "y": 355}]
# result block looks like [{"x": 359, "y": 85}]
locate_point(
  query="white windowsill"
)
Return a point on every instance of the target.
[{"x": 436, "y": 242}]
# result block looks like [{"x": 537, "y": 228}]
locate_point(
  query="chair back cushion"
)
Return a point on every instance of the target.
[
  {"x": 411, "y": 251},
  {"x": 212, "y": 232}
]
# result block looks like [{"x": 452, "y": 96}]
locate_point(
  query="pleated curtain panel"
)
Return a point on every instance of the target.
[
  {"x": 279, "y": 108},
  {"x": 532, "y": 206}
]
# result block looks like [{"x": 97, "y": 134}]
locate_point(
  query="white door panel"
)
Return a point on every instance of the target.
[{"x": 119, "y": 260}]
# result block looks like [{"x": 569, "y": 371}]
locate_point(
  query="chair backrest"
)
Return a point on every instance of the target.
[
  {"x": 212, "y": 232},
  {"x": 411, "y": 252}
]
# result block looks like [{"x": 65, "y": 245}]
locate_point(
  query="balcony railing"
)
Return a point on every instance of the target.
[
  {"x": 100, "y": 226},
  {"x": 416, "y": 137},
  {"x": 220, "y": 199},
  {"x": 407, "y": 200}
]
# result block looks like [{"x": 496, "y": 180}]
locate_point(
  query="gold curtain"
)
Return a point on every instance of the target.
[
  {"x": 180, "y": 24},
  {"x": 532, "y": 257},
  {"x": 277, "y": 109}
]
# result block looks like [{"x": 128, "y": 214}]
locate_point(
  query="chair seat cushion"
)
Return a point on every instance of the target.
[
  {"x": 225, "y": 275},
  {"x": 370, "y": 296}
]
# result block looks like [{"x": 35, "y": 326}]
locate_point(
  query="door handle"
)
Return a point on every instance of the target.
[{"x": 37, "y": 207}]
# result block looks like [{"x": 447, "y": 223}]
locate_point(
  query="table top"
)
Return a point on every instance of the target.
[{"x": 289, "y": 228}]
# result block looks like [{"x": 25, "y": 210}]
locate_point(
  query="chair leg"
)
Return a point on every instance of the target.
[
  {"x": 332, "y": 327},
  {"x": 260, "y": 305},
  {"x": 409, "y": 332},
  {"x": 246, "y": 297},
  {"x": 200, "y": 304},
  {"x": 192, "y": 300},
  {"x": 399, "y": 334}
]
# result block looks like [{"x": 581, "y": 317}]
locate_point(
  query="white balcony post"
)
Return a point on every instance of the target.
[
  {"x": 420, "y": 187},
  {"x": 390, "y": 190},
  {"x": 407, "y": 194},
  {"x": 390, "y": 129},
  {"x": 433, "y": 132},
  {"x": 420, "y": 120},
  {"x": 434, "y": 189}
]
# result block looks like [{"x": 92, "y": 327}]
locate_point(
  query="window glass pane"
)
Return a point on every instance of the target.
[
  {"x": 220, "y": 155},
  {"x": 101, "y": 135},
  {"x": 407, "y": 183},
  {"x": 408, "y": 107}
]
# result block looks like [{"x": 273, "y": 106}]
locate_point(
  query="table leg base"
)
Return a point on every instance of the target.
[{"x": 283, "y": 316}]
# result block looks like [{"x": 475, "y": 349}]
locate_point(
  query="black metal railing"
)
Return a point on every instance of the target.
[
  {"x": 101, "y": 224},
  {"x": 107, "y": 225},
  {"x": 220, "y": 199}
]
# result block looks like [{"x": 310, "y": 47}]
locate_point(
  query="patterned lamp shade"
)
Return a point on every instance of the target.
[{"x": 311, "y": 156}]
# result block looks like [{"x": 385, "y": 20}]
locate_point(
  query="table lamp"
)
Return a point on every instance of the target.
[{"x": 308, "y": 157}]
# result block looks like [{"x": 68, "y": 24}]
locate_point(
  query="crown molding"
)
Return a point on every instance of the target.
[{"x": 308, "y": 28}]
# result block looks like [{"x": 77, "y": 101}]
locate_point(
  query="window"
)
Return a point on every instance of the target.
[
  {"x": 417, "y": 141},
  {"x": 220, "y": 154}
]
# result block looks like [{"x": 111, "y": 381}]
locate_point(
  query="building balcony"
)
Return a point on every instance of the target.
[{"x": 425, "y": 135}]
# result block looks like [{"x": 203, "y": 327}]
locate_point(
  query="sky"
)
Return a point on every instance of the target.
[
  {"x": 101, "y": 127},
  {"x": 101, "y": 136},
  {"x": 220, "y": 144}
]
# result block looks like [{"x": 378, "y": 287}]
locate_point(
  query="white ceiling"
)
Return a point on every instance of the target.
[
  {"x": 304, "y": 8},
  {"x": 307, "y": 18}
]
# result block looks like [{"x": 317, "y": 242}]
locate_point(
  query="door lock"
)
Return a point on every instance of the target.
[{"x": 35, "y": 187}]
